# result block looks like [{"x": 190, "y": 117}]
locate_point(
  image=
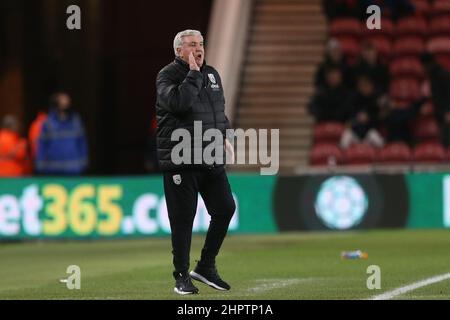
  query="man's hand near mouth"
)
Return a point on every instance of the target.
[{"x": 192, "y": 63}]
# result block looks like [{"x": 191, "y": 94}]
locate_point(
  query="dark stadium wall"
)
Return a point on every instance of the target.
[
  {"x": 109, "y": 67},
  {"x": 138, "y": 42}
]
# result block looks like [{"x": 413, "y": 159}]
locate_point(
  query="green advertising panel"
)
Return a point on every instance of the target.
[
  {"x": 46, "y": 208},
  {"x": 429, "y": 195}
]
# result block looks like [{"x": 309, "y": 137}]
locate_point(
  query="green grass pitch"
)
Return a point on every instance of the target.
[{"x": 285, "y": 266}]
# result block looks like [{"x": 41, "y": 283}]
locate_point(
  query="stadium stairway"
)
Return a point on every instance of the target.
[{"x": 285, "y": 44}]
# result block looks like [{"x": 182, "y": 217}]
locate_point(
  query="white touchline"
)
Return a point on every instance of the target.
[{"x": 413, "y": 286}]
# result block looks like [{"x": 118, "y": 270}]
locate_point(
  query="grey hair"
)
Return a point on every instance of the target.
[{"x": 178, "y": 41}]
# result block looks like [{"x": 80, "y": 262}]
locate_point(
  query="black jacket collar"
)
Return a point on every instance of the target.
[{"x": 185, "y": 65}]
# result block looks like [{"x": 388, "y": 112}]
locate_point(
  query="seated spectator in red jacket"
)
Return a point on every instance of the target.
[
  {"x": 364, "y": 120},
  {"x": 439, "y": 79},
  {"x": 14, "y": 159},
  {"x": 334, "y": 57},
  {"x": 333, "y": 102},
  {"x": 343, "y": 8},
  {"x": 369, "y": 64}
]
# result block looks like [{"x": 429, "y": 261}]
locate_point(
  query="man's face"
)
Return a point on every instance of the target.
[
  {"x": 365, "y": 86},
  {"x": 64, "y": 102},
  {"x": 370, "y": 54},
  {"x": 334, "y": 78},
  {"x": 192, "y": 44}
]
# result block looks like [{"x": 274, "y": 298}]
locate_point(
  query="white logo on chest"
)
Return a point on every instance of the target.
[{"x": 177, "y": 179}]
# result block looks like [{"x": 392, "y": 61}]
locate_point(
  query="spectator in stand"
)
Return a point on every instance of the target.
[
  {"x": 369, "y": 64},
  {"x": 333, "y": 58},
  {"x": 364, "y": 120},
  {"x": 35, "y": 130},
  {"x": 333, "y": 102},
  {"x": 62, "y": 145},
  {"x": 343, "y": 8},
  {"x": 439, "y": 79},
  {"x": 398, "y": 119},
  {"x": 14, "y": 161}
]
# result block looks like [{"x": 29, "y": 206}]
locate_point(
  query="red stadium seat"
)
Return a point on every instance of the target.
[
  {"x": 411, "y": 26},
  {"x": 346, "y": 27},
  {"x": 422, "y": 7},
  {"x": 360, "y": 153},
  {"x": 440, "y": 7},
  {"x": 440, "y": 26},
  {"x": 405, "y": 90},
  {"x": 395, "y": 153},
  {"x": 411, "y": 45},
  {"x": 426, "y": 129},
  {"x": 383, "y": 45},
  {"x": 407, "y": 67},
  {"x": 439, "y": 45},
  {"x": 427, "y": 109},
  {"x": 429, "y": 152},
  {"x": 387, "y": 29},
  {"x": 350, "y": 48},
  {"x": 330, "y": 132},
  {"x": 443, "y": 60},
  {"x": 325, "y": 154}
]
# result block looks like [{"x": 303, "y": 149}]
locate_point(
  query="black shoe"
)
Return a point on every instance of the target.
[
  {"x": 209, "y": 276},
  {"x": 184, "y": 284}
]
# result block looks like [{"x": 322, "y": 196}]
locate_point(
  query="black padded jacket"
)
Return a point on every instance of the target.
[{"x": 185, "y": 96}]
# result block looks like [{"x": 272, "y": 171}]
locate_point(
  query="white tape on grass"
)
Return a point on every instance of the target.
[{"x": 413, "y": 286}]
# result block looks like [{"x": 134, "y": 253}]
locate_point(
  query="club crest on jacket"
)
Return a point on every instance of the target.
[
  {"x": 212, "y": 78},
  {"x": 177, "y": 179}
]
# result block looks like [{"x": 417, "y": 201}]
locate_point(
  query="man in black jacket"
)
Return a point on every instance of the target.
[{"x": 190, "y": 91}]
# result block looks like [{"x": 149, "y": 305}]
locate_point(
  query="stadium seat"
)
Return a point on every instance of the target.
[
  {"x": 395, "y": 153},
  {"x": 360, "y": 153},
  {"x": 427, "y": 110},
  {"x": 329, "y": 132},
  {"x": 383, "y": 45},
  {"x": 407, "y": 67},
  {"x": 422, "y": 7},
  {"x": 443, "y": 60},
  {"x": 351, "y": 48},
  {"x": 411, "y": 26},
  {"x": 325, "y": 154},
  {"x": 405, "y": 89},
  {"x": 440, "y": 7},
  {"x": 440, "y": 26},
  {"x": 426, "y": 129},
  {"x": 346, "y": 27},
  {"x": 407, "y": 46},
  {"x": 387, "y": 29},
  {"x": 439, "y": 45},
  {"x": 429, "y": 152}
]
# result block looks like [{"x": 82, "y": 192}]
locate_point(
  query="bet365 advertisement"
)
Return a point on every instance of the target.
[
  {"x": 85, "y": 208},
  {"x": 110, "y": 207}
]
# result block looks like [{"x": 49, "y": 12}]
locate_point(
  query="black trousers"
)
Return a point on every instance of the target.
[{"x": 181, "y": 191}]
